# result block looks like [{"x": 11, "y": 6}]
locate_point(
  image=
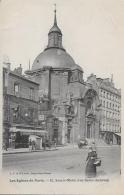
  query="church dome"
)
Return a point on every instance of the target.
[{"x": 55, "y": 57}]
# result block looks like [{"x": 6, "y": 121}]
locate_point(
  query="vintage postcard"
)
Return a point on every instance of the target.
[{"x": 61, "y": 96}]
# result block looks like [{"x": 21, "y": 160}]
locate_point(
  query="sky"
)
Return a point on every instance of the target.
[{"x": 93, "y": 33}]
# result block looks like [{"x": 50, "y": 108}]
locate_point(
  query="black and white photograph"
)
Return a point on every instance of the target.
[{"x": 62, "y": 79}]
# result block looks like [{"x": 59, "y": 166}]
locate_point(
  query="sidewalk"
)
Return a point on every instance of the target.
[
  {"x": 25, "y": 150},
  {"x": 71, "y": 146}
]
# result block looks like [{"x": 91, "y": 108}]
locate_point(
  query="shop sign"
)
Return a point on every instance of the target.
[{"x": 41, "y": 117}]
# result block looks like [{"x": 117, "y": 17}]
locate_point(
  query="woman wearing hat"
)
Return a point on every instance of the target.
[{"x": 90, "y": 166}]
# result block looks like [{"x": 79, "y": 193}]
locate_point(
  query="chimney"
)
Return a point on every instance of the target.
[
  {"x": 7, "y": 65},
  {"x": 18, "y": 70},
  {"x": 6, "y": 62}
]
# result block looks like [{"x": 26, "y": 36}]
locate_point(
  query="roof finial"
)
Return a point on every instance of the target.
[
  {"x": 55, "y": 6},
  {"x": 55, "y": 20}
]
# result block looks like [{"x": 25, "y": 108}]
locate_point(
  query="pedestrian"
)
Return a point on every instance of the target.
[
  {"x": 55, "y": 142},
  {"x": 90, "y": 170},
  {"x": 5, "y": 146},
  {"x": 93, "y": 145},
  {"x": 30, "y": 145},
  {"x": 44, "y": 144},
  {"x": 33, "y": 145}
]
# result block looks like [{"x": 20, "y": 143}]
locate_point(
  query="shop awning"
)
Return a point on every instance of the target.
[
  {"x": 30, "y": 131},
  {"x": 118, "y": 134},
  {"x": 33, "y": 137}
]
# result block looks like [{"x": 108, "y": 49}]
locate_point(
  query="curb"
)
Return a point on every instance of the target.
[
  {"x": 21, "y": 152},
  {"x": 27, "y": 151}
]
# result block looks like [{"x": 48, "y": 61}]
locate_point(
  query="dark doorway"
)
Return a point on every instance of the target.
[
  {"x": 88, "y": 130},
  {"x": 21, "y": 141},
  {"x": 68, "y": 135},
  {"x": 55, "y": 134}
]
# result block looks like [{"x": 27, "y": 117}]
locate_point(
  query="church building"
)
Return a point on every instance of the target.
[
  {"x": 73, "y": 105},
  {"x": 53, "y": 101}
]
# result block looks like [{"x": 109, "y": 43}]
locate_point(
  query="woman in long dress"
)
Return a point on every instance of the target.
[{"x": 90, "y": 167}]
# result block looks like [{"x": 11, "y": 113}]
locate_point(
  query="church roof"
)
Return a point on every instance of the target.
[
  {"x": 55, "y": 57},
  {"x": 54, "y": 54},
  {"x": 55, "y": 28}
]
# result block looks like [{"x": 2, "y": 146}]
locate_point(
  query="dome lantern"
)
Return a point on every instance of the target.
[{"x": 55, "y": 35}]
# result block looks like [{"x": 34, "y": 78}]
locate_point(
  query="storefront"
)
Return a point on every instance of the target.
[{"x": 19, "y": 137}]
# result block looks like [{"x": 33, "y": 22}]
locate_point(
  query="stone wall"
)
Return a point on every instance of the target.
[{"x": 24, "y": 87}]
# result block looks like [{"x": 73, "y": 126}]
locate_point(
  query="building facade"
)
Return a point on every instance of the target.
[
  {"x": 110, "y": 117},
  {"x": 20, "y": 107}
]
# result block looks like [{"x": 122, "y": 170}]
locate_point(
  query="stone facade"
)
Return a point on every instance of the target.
[
  {"x": 110, "y": 115},
  {"x": 73, "y": 104},
  {"x": 20, "y": 104}
]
